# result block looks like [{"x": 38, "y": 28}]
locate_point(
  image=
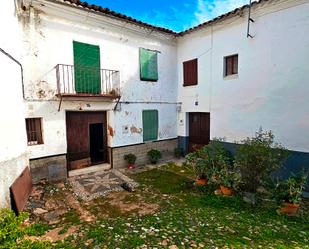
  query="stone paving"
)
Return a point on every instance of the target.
[{"x": 94, "y": 185}]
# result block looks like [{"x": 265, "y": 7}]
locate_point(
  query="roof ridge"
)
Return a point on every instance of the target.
[{"x": 107, "y": 11}]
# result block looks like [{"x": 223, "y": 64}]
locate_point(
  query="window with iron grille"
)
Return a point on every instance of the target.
[
  {"x": 34, "y": 131},
  {"x": 231, "y": 65},
  {"x": 190, "y": 73}
]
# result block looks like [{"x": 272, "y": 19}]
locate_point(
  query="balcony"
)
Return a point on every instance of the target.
[{"x": 73, "y": 82}]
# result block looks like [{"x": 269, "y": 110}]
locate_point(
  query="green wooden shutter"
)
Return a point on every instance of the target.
[
  {"x": 87, "y": 68},
  {"x": 150, "y": 125},
  {"x": 148, "y": 64}
]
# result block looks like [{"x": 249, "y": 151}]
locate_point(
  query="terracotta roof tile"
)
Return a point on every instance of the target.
[{"x": 109, "y": 12}]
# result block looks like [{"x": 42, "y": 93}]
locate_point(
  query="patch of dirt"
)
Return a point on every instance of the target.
[
  {"x": 85, "y": 215},
  {"x": 50, "y": 203},
  {"x": 54, "y": 234},
  {"x": 128, "y": 203}
]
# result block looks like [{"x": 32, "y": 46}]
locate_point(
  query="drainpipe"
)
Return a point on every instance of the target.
[{"x": 21, "y": 69}]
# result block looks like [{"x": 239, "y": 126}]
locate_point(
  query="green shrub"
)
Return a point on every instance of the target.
[
  {"x": 10, "y": 229},
  {"x": 154, "y": 156},
  {"x": 257, "y": 157},
  {"x": 130, "y": 158},
  {"x": 209, "y": 160},
  {"x": 291, "y": 189},
  {"x": 228, "y": 178}
]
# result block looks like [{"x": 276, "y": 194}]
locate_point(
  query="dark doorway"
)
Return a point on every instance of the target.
[
  {"x": 199, "y": 130},
  {"x": 86, "y": 139},
  {"x": 96, "y": 143}
]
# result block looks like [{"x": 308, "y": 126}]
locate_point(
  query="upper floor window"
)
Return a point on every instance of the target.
[
  {"x": 231, "y": 65},
  {"x": 34, "y": 131},
  {"x": 148, "y": 64},
  {"x": 190, "y": 73}
]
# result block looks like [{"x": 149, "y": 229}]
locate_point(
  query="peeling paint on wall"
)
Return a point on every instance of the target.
[
  {"x": 134, "y": 129},
  {"x": 110, "y": 130}
]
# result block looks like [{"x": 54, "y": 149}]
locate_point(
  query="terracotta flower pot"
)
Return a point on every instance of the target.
[
  {"x": 201, "y": 182},
  {"x": 289, "y": 208},
  {"x": 226, "y": 190},
  {"x": 131, "y": 165}
]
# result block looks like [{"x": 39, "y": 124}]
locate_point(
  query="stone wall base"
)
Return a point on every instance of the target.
[
  {"x": 53, "y": 168},
  {"x": 140, "y": 150}
]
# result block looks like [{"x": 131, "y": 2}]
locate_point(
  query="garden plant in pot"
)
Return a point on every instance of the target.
[
  {"x": 200, "y": 165},
  {"x": 154, "y": 156},
  {"x": 130, "y": 158},
  {"x": 206, "y": 161},
  {"x": 290, "y": 192},
  {"x": 228, "y": 180}
]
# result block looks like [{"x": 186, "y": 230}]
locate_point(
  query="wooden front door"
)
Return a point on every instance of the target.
[
  {"x": 199, "y": 130},
  {"x": 86, "y": 139}
]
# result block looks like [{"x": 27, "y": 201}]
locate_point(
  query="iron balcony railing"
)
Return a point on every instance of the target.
[{"x": 87, "y": 81}]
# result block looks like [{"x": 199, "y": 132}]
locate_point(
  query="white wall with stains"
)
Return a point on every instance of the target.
[
  {"x": 13, "y": 156},
  {"x": 271, "y": 89},
  {"x": 50, "y": 31}
]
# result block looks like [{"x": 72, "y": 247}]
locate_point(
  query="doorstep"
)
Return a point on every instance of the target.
[{"x": 91, "y": 169}]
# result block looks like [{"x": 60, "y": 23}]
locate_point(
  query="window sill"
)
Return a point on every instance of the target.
[
  {"x": 190, "y": 85},
  {"x": 34, "y": 144},
  {"x": 231, "y": 77}
]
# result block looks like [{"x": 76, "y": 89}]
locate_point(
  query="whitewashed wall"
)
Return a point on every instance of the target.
[
  {"x": 271, "y": 89},
  {"x": 50, "y": 32},
  {"x": 13, "y": 157}
]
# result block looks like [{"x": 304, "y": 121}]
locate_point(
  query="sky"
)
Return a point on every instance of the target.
[{"x": 177, "y": 15}]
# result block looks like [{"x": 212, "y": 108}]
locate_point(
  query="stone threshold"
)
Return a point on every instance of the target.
[{"x": 91, "y": 169}]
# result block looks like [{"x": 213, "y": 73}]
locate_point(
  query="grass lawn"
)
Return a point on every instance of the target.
[{"x": 182, "y": 216}]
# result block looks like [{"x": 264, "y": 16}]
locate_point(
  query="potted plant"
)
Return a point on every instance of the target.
[
  {"x": 290, "y": 192},
  {"x": 201, "y": 172},
  {"x": 154, "y": 156},
  {"x": 207, "y": 161},
  {"x": 130, "y": 158},
  {"x": 228, "y": 181}
]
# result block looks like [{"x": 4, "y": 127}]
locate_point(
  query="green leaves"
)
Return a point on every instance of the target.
[{"x": 257, "y": 157}]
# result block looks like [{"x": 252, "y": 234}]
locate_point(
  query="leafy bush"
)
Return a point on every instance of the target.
[
  {"x": 257, "y": 158},
  {"x": 12, "y": 231},
  {"x": 209, "y": 160},
  {"x": 154, "y": 156},
  {"x": 228, "y": 178},
  {"x": 130, "y": 158},
  {"x": 291, "y": 189}
]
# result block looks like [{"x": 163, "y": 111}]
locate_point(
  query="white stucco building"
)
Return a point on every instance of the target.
[{"x": 98, "y": 85}]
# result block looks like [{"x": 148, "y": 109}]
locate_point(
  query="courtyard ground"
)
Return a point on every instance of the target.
[{"x": 166, "y": 210}]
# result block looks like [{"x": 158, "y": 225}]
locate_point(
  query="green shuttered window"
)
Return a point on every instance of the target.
[
  {"x": 150, "y": 125},
  {"x": 87, "y": 68},
  {"x": 148, "y": 65}
]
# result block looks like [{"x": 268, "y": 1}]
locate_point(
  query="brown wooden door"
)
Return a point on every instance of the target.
[
  {"x": 79, "y": 152},
  {"x": 199, "y": 130}
]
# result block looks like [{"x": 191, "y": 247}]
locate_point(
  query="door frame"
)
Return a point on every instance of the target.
[
  {"x": 190, "y": 144},
  {"x": 105, "y": 135}
]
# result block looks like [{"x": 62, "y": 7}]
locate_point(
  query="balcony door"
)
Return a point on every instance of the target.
[{"x": 87, "y": 68}]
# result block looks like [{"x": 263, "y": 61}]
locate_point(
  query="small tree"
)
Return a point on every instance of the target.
[{"x": 257, "y": 158}]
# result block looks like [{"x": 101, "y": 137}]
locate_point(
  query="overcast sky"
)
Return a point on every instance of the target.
[{"x": 173, "y": 14}]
